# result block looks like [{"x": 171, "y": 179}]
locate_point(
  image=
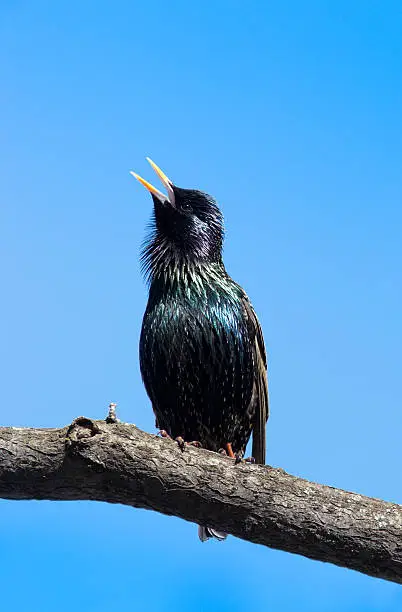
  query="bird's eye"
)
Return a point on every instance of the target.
[{"x": 185, "y": 207}]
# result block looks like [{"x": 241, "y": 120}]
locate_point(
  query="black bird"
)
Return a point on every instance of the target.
[{"x": 202, "y": 354}]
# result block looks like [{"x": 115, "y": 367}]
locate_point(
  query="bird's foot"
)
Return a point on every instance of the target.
[
  {"x": 227, "y": 451},
  {"x": 239, "y": 457},
  {"x": 111, "y": 415},
  {"x": 181, "y": 443},
  {"x": 195, "y": 443}
]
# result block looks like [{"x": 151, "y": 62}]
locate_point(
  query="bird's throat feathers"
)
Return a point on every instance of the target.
[
  {"x": 167, "y": 264},
  {"x": 169, "y": 271},
  {"x": 183, "y": 252}
]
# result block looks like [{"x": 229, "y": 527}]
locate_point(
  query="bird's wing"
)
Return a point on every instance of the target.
[{"x": 260, "y": 398}]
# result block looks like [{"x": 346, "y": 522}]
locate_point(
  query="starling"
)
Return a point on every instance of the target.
[{"x": 202, "y": 353}]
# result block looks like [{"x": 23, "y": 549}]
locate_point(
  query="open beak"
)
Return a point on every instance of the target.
[{"x": 165, "y": 180}]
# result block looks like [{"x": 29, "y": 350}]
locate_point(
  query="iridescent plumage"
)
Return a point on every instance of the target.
[{"x": 202, "y": 353}]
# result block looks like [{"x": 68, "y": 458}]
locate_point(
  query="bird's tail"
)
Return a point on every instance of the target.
[{"x": 205, "y": 533}]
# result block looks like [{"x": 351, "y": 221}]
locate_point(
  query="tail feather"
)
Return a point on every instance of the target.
[{"x": 205, "y": 533}]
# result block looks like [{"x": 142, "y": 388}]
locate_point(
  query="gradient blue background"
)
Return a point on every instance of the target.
[{"x": 290, "y": 113}]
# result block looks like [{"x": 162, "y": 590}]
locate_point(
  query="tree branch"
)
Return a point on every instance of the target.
[{"x": 119, "y": 463}]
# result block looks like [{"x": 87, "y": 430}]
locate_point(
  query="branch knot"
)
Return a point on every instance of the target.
[{"x": 80, "y": 429}]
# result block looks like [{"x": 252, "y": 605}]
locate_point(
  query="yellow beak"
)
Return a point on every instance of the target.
[{"x": 165, "y": 180}]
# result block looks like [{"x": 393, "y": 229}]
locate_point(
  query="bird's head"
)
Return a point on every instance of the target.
[{"x": 188, "y": 224}]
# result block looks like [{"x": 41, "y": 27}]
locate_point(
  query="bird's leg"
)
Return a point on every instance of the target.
[
  {"x": 164, "y": 434},
  {"x": 238, "y": 457},
  {"x": 195, "y": 443},
  {"x": 229, "y": 451},
  {"x": 111, "y": 415}
]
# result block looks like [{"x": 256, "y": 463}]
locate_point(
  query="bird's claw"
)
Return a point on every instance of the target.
[
  {"x": 181, "y": 443},
  {"x": 249, "y": 460},
  {"x": 239, "y": 457}
]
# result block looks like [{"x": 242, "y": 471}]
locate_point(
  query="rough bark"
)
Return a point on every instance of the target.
[{"x": 119, "y": 463}]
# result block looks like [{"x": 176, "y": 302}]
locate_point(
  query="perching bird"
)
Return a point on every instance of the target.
[{"x": 202, "y": 354}]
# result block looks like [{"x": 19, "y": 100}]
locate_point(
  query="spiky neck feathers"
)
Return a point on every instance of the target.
[
  {"x": 185, "y": 236},
  {"x": 161, "y": 258}
]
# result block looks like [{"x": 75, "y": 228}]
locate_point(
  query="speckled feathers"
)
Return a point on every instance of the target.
[{"x": 202, "y": 354}]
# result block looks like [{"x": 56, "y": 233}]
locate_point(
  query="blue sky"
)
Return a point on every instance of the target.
[{"x": 289, "y": 113}]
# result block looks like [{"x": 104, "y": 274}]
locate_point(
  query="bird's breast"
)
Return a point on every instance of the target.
[
  {"x": 196, "y": 362},
  {"x": 199, "y": 323}
]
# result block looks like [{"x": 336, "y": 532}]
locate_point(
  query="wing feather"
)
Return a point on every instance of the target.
[{"x": 260, "y": 397}]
